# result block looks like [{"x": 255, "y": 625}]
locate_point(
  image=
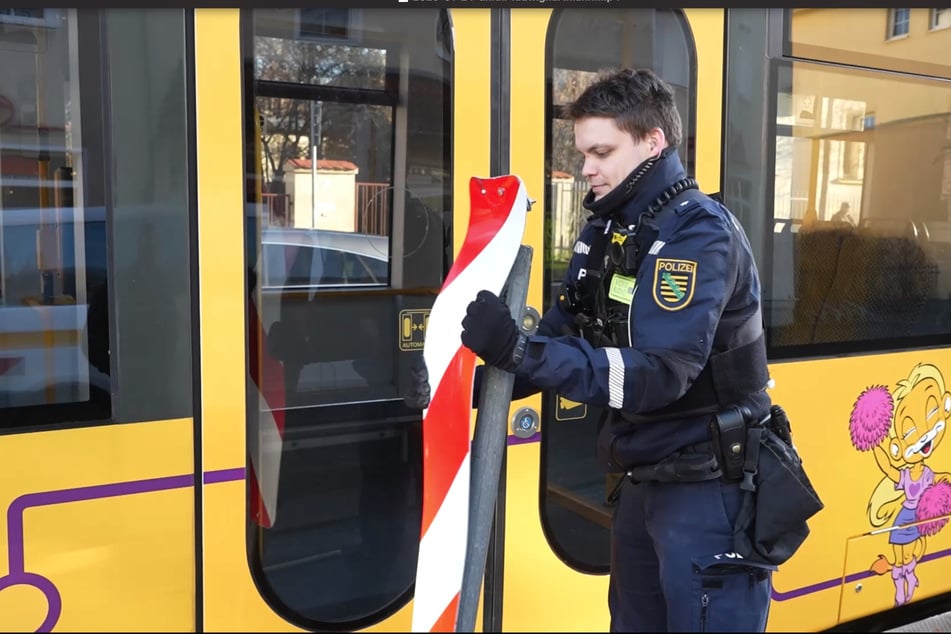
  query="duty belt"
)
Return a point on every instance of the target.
[{"x": 694, "y": 463}]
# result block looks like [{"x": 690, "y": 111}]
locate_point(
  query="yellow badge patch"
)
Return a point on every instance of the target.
[{"x": 674, "y": 281}]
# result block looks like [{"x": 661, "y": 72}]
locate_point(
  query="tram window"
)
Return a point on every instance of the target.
[
  {"x": 886, "y": 39},
  {"x": 859, "y": 168},
  {"x": 93, "y": 235},
  {"x": 573, "y": 486},
  {"x": 349, "y": 114},
  {"x": 849, "y": 148}
]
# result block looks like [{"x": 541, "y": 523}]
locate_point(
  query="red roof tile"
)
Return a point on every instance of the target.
[{"x": 324, "y": 164}]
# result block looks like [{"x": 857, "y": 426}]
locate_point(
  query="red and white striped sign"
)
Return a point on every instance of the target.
[{"x": 496, "y": 223}]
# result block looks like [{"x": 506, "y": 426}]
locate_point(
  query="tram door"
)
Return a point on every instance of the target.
[
  {"x": 557, "y": 542},
  {"x": 342, "y": 234}
]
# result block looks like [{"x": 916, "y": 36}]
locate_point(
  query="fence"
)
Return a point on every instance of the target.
[
  {"x": 371, "y": 208},
  {"x": 280, "y": 210},
  {"x": 373, "y": 204},
  {"x": 568, "y": 216}
]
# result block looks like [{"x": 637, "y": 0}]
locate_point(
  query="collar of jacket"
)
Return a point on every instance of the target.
[{"x": 625, "y": 202}]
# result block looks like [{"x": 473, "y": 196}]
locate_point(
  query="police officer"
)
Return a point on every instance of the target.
[{"x": 659, "y": 323}]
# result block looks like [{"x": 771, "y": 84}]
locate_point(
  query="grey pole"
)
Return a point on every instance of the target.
[{"x": 488, "y": 448}]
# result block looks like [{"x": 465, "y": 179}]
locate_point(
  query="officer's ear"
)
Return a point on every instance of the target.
[{"x": 657, "y": 140}]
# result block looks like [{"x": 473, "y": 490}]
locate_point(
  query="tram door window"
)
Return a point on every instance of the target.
[
  {"x": 348, "y": 242},
  {"x": 855, "y": 182},
  {"x": 574, "y": 487},
  {"x": 94, "y": 212}
]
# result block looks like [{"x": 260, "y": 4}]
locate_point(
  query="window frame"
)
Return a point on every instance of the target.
[
  {"x": 894, "y": 23},
  {"x": 934, "y": 15}
]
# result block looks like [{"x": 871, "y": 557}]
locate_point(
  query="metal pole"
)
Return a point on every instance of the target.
[
  {"x": 313, "y": 171},
  {"x": 488, "y": 449}
]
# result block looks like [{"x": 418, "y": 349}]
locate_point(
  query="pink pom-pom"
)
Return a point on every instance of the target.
[
  {"x": 934, "y": 502},
  {"x": 871, "y": 417}
]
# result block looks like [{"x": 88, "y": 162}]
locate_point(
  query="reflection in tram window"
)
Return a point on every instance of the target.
[
  {"x": 858, "y": 179},
  {"x": 348, "y": 231},
  {"x": 62, "y": 218},
  {"x": 574, "y": 487},
  {"x": 887, "y": 39}
]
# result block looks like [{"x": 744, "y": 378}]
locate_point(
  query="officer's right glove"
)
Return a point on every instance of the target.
[{"x": 489, "y": 330}]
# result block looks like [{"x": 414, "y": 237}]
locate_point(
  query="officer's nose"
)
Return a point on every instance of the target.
[{"x": 588, "y": 170}]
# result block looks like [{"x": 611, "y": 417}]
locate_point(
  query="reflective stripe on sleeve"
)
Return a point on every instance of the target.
[{"x": 615, "y": 378}]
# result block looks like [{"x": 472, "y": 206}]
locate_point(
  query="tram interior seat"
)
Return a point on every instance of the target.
[
  {"x": 870, "y": 282},
  {"x": 814, "y": 257},
  {"x": 938, "y": 235}
]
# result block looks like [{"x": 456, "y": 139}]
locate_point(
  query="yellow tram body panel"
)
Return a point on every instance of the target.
[
  {"x": 831, "y": 579},
  {"x": 100, "y": 531}
]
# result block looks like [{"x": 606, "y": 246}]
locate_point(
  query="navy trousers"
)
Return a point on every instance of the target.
[{"x": 672, "y": 565}]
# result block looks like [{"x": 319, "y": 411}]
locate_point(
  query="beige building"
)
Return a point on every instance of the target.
[
  {"x": 873, "y": 142},
  {"x": 322, "y": 198}
]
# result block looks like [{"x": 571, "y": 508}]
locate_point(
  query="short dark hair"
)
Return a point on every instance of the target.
[{"x": 637, "y": 99}]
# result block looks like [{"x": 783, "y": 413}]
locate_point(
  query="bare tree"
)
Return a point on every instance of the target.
[
  {"x": 287, "y": 124},
  {"x": 567, "y": 85}
]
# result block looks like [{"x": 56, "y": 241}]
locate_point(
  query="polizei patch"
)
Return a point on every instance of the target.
[{"x": 674, "y": 281}]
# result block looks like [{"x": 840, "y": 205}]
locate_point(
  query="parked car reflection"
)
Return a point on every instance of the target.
[
  {"x": 321, "y": 259},
  {"x": 329, "y": 333}
]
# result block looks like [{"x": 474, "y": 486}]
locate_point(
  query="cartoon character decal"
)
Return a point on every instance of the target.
[{"x": 902, "y": 430}]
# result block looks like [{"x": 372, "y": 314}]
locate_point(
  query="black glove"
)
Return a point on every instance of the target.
[
  {"x": 489, "y": 330},
  {"x": 419, "y": 394}
]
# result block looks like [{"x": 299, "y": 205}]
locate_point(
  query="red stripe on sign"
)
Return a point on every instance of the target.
[
  {"x": 447, "y": 620},
  {"x": 499, "y": 194},
  {"x": 446, "y": 432}
]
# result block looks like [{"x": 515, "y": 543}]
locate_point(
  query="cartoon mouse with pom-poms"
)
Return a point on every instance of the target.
[{"x": 902, "y": 433}]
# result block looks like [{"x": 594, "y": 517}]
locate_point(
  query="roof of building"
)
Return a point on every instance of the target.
[{"x": 332, "y": 165}]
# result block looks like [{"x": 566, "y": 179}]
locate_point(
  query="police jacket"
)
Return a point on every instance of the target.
[{"x": 693, "y": 294}]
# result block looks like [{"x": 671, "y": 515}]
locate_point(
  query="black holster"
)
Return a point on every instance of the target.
[
  {"x": 728, "y": 432},
  {"x": 778, "y": 497}
]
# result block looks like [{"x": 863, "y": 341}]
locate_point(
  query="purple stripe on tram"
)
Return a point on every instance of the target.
[
  {"x": 224, "y": 475},
  {"x": 515, "y": 440},
  {"x": 62, "y": 496},
  {"x": 18, "y": 576},
  {"x": 855, "y": 576},
  {"x": 94, "y": 492}
]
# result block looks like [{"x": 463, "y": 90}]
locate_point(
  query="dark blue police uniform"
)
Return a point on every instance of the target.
[{"x": 674, "y": 286}]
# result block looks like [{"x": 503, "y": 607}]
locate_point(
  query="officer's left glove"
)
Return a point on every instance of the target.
[{"x": 489, "y": 330}]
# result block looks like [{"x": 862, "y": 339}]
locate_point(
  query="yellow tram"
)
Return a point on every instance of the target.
[{"x": 221, "y": 232}]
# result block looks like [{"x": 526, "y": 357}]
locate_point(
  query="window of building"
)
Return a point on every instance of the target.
[
  {"x": 817, "y": 34},
  {"x": 940, "y": 19},
  {"x": 898, "y": 20}
]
